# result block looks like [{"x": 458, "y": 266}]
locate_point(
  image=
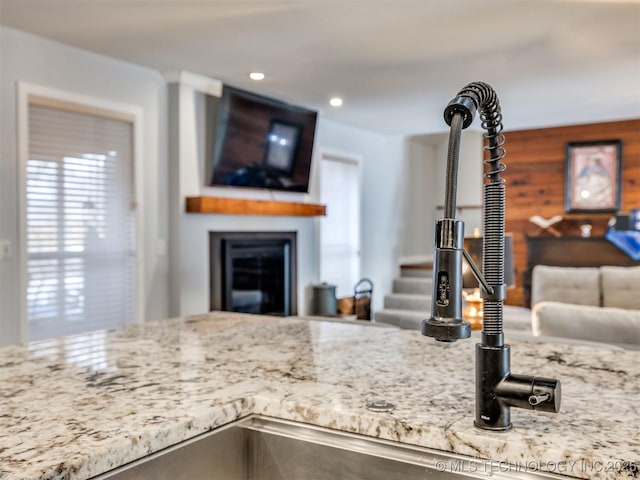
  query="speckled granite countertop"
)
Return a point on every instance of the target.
[{"x": 75, "y": 407}]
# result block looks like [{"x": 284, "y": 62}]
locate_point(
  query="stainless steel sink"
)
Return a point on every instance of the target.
[{"x": 259, "y": 448}]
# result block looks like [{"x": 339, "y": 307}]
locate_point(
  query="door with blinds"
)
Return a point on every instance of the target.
[
  {"x": 340, "y": 229},
  {"x": 80, "y": 221}
]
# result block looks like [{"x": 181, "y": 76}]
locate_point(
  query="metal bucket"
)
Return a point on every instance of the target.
[{"x": 324, "y": 299}]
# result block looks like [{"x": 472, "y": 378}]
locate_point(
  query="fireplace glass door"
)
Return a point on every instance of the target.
[{"x": 256, "y": 276}]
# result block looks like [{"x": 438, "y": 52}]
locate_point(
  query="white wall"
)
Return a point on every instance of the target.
[
  {"x": 27, "y": 58},
  {"x": 424, "y": 178},
  {"x": 470, "y": 177},
  {"x": 421, "y": 199},
  {"x": 383, "y": 221}
]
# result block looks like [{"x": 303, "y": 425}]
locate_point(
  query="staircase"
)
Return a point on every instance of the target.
[{"x": 410, "y": 301}]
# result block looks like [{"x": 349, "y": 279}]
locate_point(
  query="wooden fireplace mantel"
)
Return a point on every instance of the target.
[{"x": 240, "y": 206}]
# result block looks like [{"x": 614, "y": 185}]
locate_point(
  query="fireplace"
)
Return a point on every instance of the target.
[{"x": 253, "y": 272}]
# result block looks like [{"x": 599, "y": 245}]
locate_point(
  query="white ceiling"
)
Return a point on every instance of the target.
[{"x": 396, "y": 63}]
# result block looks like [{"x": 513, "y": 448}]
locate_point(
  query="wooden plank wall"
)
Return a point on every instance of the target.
[{"x": 535, "y": 182}]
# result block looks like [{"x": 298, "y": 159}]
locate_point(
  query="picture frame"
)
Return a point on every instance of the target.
[
  {"x": 282, "y": 145},
  {"x": 593, "y": 173}
]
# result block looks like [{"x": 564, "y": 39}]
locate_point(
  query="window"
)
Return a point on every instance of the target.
[
  {"x": 80, "y": 221},
  {"x": 340, "y": 229}
]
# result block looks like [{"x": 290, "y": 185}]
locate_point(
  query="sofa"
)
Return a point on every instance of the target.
[{"x": 587, "y": 303}]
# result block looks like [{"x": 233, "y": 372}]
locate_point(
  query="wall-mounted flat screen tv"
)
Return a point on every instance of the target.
[{"x": 259, "y": 142}]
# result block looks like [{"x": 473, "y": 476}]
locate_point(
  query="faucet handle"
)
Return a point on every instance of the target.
[
  {"x": 533, "y": 393},
  {"x": 538, "y": 399},
  {"x": 545, "y": 394}
]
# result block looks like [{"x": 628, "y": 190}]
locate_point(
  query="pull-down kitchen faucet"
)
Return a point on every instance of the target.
[{"x": 497, "y": 389}]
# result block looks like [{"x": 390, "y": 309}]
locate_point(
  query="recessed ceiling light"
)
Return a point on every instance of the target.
[
  {"x": 335, "y": 102},
  {"x": 256, "y": 76}
]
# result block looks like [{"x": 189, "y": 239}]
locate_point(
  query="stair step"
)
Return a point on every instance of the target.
[
  {"x": 410, "y": 272},
  {"x": 408, "y": 301},
  {"x": 421, "y": 286},
  {"x": 406, "y": 319}
]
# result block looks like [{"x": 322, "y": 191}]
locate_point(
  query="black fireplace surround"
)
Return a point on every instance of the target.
[{"x": 253, "y": 272}]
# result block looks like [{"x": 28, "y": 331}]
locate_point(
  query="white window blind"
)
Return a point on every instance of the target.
[
  {"x": 340, "y": 229},
  {"x": 79, "y": 223}
]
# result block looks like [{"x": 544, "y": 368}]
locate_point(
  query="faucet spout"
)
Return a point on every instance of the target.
[
  {"x": 497, "y": 389},
  {"x": 446, "y": 324}
]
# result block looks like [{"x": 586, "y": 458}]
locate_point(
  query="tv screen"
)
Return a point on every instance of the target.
[{"x": 259, "y": 142}]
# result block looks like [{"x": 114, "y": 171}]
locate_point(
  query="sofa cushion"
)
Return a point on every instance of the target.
[
  {"x": 620, "y": 287},
  {"x": 601, "y": 324},
  {"x": 576, "y": 285}
]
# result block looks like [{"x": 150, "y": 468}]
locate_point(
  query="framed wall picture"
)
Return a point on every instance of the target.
[{"x": 593, "y": 171}]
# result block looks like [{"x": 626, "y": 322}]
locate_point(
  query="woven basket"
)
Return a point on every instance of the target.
[
  {"x": 360, "y": 303},
  {"x": 346, "y": 305}
]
